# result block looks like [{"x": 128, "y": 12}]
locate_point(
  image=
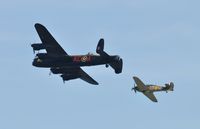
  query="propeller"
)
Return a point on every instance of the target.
[
  {"x": 50, "y": 73},
  {"x": 62, "y": 79},
  {"x": 134, "y": 88},
  {"x": 33, "y": 48}
]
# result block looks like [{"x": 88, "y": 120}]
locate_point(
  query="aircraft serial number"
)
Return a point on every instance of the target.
[{"x": 82, "y": 58}]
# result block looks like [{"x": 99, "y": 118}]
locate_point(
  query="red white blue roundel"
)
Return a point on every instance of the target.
[{"x": 84, "y": 58}]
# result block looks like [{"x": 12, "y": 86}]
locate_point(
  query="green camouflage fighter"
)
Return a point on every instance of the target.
[{"x": 148, "y": 90}]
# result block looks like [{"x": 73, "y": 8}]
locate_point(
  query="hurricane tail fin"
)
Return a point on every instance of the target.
[{"x": 170, "y": 86}]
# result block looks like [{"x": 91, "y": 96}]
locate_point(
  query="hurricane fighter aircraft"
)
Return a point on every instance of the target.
[
  {"x": 148, "y": 90},
  {"x": 68, "y": 66}
]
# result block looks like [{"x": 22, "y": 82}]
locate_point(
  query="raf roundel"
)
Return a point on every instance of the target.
[{"x": 84, "y": 59}]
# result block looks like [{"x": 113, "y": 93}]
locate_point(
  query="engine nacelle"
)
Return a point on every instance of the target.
[
  {"x": 67, "y": 77},
  {"x": 37, "y": 46},
  {"x": 42, "y": 55},
  {"x": 57, "y": 70}
]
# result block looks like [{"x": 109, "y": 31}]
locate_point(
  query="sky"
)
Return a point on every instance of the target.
[{"x": 158, "y": 41}]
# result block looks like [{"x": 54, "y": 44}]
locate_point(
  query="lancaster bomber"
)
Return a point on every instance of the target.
[
  {"x": 148, "y": 90},
  {"x": 68, "y": 66}
]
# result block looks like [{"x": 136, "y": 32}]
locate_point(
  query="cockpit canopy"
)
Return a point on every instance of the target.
[
  {"x": 36, "y": 57},
  {"x": 90, "y": 53}
]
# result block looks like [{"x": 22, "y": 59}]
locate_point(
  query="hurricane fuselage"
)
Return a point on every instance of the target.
[{"x": 152, "y": 88}]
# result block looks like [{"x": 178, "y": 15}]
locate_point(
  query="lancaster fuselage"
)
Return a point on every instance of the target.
[{"x": 49, "y": 61}]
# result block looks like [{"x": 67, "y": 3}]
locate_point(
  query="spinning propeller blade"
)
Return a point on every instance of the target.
[{"x": 134, "y": 88}]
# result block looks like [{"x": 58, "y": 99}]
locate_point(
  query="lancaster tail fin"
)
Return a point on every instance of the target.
[
  {"x": 117, "y": 62},
  {"x": 100, "y": 46}
]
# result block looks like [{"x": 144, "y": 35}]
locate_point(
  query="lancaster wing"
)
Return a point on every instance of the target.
[
  {"x": 84, "y": 76},
  {"x": 51, "y": 45},
  {"x": 77, "y": 72}
]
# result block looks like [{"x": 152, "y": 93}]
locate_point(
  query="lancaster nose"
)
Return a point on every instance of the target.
[{"x": 34, "y": 63}]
